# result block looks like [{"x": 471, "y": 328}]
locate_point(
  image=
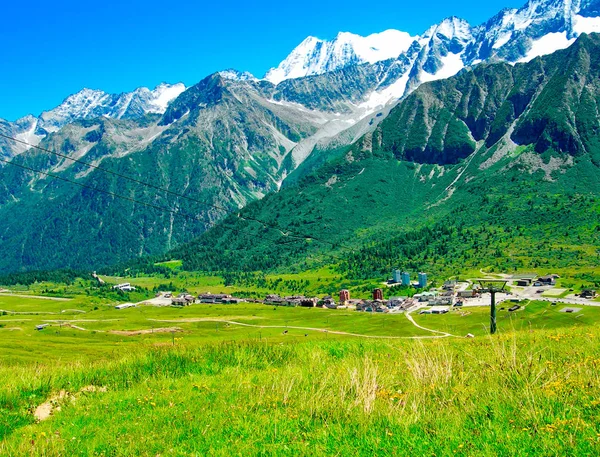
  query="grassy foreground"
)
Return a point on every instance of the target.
[{"x": 522, "y": 393}]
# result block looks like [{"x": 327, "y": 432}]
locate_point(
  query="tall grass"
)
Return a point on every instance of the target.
[{"x": 514, "y": 394}]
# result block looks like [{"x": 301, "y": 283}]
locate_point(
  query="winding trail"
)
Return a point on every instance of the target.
[
  {"x": 334, "y": 332},
  {"x": 441, "y": 334}
]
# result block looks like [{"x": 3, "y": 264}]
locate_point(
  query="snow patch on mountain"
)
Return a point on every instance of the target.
[
  {"x": 546, "y": 45},
  {"x": 235, "y": 75},
  {"x": 452, "y": 28},
  {"x": 380, "y": 98},
  {"x": 502, "y": 40},
  {"x": 162, "y": 95},
  {"x": 586, "y": 24},
  {"x": 30, "y": 136},
  {"x": 451, "y": 65}
]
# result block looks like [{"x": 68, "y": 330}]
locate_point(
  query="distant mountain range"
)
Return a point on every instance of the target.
[{"x": 233, "y": 138}]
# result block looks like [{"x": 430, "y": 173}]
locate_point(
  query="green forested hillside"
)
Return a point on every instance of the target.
[
  {"x": 453, "y": 179},
  {"x": 224, "y": 142},
  {"x": 550, "y": 103}
]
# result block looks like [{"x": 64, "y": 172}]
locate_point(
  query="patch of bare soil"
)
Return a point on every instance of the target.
[
  {"x": 205, "y": 319},
  {"x": 146, "y": 331},
  {"x": 54, "y": 403}
]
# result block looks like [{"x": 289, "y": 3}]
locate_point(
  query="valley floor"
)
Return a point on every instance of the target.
[{"x": 252, "y": 379}]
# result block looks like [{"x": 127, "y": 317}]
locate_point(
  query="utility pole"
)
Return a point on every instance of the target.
[
  {"x": 493, "y": 325},
  {"x": 493, "y": 286}
]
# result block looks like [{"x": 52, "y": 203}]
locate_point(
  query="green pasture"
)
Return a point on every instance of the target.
[{"x": 536, "y": 315}]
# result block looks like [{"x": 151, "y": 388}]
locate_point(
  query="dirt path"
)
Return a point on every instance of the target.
[
  {"x": 76, "y": 327},
  {"x": 442, "y": 334},
  {"x": 41, "y": 297},
  {"x": 145, "y": 331},
  {"x": 67, "y": 321},
  {"x": 333, "y": 332}
]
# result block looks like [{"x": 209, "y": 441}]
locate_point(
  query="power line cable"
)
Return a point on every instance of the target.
[
  {"x": 123, "y": 197},
  {"x": 150, "y": 205},
  {"x": 96, "y": 189},
  {"x": 284, "y": 232}
]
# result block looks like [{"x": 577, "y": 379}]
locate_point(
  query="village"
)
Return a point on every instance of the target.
[{"x": 453, "y": 294}]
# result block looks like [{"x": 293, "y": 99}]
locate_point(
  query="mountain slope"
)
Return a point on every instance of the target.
[
  {"x": 449, "y": 162},
  {"x": 223, "y": 142}
]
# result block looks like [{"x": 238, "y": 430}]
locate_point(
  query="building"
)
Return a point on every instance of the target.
[
  {"x": 355, "y": 302},
  {"x": 217, "y": 298},
  {"x": 396, "y": 302},
  {"x": 435, "y": 310},
  {"x": 405, "y": 278},
  {"x": 525, "y": 282},
  {"x": 344, "y": 296},
  {"x": 466, "y": 294},
  {"x": 294, "y": 300},
  {"x": 308, "y": 302},
  {"x": 450, "y": 284},
  {"x": 125, "y": 287},
  {"x": 365, "y": 305},
  {"x": 422, "y": 280},
  {"x": 426, "y": 296},
  {"x": 125, "y": 306},
  {"x": 374, "y": 306},
  {"x": 548, "y": 280},
  {"x": 588, "y": 293},
  {"x": 377, "y": 294},
  {"x": 328, "y": 302},
  {"x": 396, "y": 276},
  {"x": 183, "y": 299},
  {"x": 274, "y": 299},
  {"x": 439, "y": 309},
  {"x": 437, "y": 301}
]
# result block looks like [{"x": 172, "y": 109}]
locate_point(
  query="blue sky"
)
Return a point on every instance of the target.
[{"x": 53, "y": 49}]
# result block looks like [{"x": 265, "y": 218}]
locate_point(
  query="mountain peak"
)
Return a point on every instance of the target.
[
  {"x": 451, "y": 28},
  {"x": 236, "y": 75},
  {"x": 314, "y": 56}
]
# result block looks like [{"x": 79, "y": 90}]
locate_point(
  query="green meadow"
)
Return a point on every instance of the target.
[{"x": 252, "y": 379}]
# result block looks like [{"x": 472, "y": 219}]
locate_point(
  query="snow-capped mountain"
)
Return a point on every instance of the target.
[
  {"x": 314, "y": 56},
  {"x": 89, "y": 103},
  {"x": 86, "y": 104},
  {"x": 389, "y": 65},
  {"x": 514, "y": 35},
  {"x": 538, "y": 28}
]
